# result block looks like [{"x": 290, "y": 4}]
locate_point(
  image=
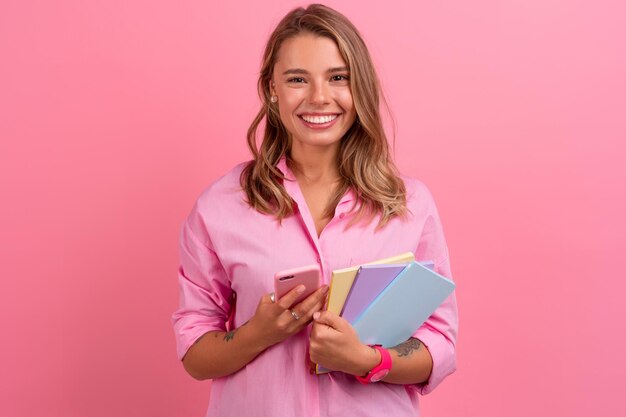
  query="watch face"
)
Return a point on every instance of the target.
[{"x": 379, "y": 375}]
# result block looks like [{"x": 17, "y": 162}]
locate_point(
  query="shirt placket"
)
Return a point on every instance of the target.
[{"x": 306, "y": 218}]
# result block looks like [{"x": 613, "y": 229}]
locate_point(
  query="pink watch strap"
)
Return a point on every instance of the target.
[{"x": 379, "y": 371}]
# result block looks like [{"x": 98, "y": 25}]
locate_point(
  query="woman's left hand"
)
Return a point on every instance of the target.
[{"x": 335, "y": 345}]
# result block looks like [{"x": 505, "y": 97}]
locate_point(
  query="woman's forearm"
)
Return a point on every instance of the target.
[
  {"x": 411, "y": 363},
  {"x": 218, "y": 354}
]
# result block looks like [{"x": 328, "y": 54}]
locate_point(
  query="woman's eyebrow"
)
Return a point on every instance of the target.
[
  {"x": 295, "y": 71},
  {"x": 305, "y": 72}
]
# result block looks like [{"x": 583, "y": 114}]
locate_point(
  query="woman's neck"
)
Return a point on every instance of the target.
[{"x": 315, "y": 166}]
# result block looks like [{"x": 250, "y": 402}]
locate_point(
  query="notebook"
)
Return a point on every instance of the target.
[
  {"x": 370, "y": 281},
  {"x": 403, "y": 306},
  {"x": 342, "y": 279}
]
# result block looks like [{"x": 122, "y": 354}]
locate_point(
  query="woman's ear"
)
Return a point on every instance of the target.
[{"x": 273, "y": 96}]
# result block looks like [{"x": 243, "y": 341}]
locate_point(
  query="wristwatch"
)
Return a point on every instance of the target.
[{"x": 379, "y": 371}]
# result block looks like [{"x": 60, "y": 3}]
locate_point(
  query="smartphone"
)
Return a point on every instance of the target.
[{"x": 310, "y": 276}]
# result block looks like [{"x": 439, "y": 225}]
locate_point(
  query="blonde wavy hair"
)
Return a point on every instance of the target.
[{"x": 364, "y": 160}]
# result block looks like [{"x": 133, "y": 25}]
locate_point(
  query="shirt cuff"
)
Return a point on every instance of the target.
[
  {"x": 443, "y": 355},
  {"x": 188, "y": 331}
]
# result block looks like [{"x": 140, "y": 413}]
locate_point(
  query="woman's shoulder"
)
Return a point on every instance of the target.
[
  {"x": 223, "y": 191},
  {"x": 419, "y": 199},
  {"x": 416, "y": 190}
]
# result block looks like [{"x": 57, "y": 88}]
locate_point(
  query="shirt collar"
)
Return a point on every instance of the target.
[{"x": 282, "y": 166}]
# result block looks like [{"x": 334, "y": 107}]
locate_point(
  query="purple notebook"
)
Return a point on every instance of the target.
[{"x": 370, "y": 281}]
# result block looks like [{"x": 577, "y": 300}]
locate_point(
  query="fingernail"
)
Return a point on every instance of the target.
[
  {"x": 325, "y": 289},
  {"x": 316, "y": 315},
  {"x": 300, "y": 289}
]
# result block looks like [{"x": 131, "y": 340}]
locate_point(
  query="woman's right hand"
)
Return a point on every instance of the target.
[{"x": 274, "y": 321}]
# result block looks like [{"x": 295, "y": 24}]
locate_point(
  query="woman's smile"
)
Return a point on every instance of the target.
[{"x": 319, "y": 121}]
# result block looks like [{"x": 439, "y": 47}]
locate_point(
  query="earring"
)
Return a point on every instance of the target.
[{"x": 273, "y": 99}]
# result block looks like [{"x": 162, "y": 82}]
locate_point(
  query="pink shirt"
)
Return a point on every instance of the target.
[{"x": 227, "y": 246}]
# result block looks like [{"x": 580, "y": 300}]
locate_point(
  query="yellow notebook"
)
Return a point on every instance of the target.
[{"x": 341, "y": 282}]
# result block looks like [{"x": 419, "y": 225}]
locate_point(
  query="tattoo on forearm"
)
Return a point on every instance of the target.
[
  {"x": 229, "y": 335},
  {"x": 408, "y": 347}
]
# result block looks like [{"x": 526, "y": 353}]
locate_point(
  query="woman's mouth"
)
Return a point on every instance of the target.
[{"x": 316, "y": 121}]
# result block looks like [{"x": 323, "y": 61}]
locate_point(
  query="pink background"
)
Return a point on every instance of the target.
[{"x": 114, "y": 115}]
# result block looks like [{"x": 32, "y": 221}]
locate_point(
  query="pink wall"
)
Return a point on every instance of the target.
[{"x": 114, "y": 115}]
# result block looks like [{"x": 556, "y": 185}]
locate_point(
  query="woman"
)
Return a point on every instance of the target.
[{"x": 321, "y": 188}]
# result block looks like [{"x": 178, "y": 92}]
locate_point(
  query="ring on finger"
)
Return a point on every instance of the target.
[{"x": 294, "y": 314}]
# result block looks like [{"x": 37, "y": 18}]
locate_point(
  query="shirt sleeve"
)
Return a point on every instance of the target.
[
  {"x": 204, "y": 288},
  {"x": 439, "y": 332}
]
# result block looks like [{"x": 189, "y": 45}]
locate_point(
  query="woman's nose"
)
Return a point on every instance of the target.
[{"x": 319, "y": 93}]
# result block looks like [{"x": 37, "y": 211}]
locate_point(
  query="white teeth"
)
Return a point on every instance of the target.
[{"x": 319, "y": 119}]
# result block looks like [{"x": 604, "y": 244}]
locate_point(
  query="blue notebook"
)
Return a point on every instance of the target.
[
  {"x": 370, "y": 281},
  {"x": 403, "y": 306}
]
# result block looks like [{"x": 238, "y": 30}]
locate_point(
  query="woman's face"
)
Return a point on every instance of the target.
[{"x": 311, "y": 81}]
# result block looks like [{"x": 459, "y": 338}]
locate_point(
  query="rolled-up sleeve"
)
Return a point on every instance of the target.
[
  {"x": 439, "y": 332},
  {"x": 204, "y": 288}
]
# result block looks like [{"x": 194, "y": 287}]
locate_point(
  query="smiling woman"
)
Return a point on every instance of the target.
[
  {"x": 320, "y": 52},
  {"x": 320, "y": 190}
]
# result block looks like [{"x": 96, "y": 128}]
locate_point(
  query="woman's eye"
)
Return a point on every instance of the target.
[
  {"x": 339, "y": 78},
  {"x": 296, "y": 80}
]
